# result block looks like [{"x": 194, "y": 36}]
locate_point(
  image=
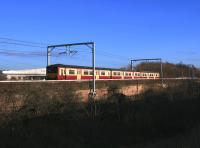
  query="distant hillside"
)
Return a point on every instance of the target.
[{"x": 169, "y": 69}]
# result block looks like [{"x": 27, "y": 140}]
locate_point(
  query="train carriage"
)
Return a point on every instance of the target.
[
  {"x": 52, "y": 72},
  {"x": 86, "y": 74},
  {"x": 116, "y": 74},
  {"x": 156, "y": 76},
  {"x": 104, "y": 74},
  {"x": 136, "y": 75},
  {"x": 128, "y": 75},
  {"x": 71, "y": 72}
]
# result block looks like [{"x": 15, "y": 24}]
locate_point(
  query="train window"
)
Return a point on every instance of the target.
[
  {"x": 64, "y": 71},
  {"x": 85, "y": 72},
  {"x": 71, "y": 72},
  {"x": 129, "y": 74},
  {"x": 116, "y": 73},
  {"x": 91, "y": 72},
  {"x": 103, "y": 73},
  {"x": 126, "y": 74}
]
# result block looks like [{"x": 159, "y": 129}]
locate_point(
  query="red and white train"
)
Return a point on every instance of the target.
[{"x": 71, "y": 72}]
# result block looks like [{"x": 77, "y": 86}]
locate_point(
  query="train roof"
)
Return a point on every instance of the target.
[{"x": 88, "y": 67}]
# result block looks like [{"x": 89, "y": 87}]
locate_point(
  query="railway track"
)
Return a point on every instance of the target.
[{"x": 35, "y": 81}]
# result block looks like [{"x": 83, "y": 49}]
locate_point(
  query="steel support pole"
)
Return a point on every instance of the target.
[
  {"x": 131, "y": 65},
  {"x": 94, "y": 71},
  {"x": 193, "y": 72},
  {"x": 157, "y": 59},
  {"x": 91, "y": 45},
  {"x": 48, "y": 56},
  {"x": 161, "y": 70}
]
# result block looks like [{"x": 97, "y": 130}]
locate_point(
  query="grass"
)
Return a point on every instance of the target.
[{"x": 145, "y": 120}]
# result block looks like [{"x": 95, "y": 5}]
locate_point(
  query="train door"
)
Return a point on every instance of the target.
[
  {"x": 79, "y": 71},
  {"x": 97, "y": 74},
  {"x": 61, "y": 75}
]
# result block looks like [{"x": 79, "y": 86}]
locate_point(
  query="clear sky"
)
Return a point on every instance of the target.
[{"x": 122, "y": 29}]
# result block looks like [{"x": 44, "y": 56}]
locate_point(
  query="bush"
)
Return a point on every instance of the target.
[
  {"x": 119, "y": 122},
  {"x": 113, "y": 89},
  {"x": 37, "y": 103}
]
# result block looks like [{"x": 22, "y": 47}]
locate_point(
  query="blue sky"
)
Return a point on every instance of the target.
[{"x": 122, "y": 29}]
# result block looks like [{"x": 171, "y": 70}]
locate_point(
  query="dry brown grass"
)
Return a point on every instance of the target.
[{"x": 159, "y": 117}]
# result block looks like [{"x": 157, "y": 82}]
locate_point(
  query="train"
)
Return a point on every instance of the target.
[{"x": 74, "y": 72}]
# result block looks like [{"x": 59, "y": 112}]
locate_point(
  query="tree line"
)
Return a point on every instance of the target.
[{"x": 170, "y": 70}]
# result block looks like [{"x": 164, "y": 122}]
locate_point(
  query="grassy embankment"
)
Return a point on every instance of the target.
[{"x": 146, "y": 119}]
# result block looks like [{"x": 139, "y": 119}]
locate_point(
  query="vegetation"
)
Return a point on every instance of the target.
[
  {"x": 170, "y": 70},
  {"x": 120, "y": 121}
]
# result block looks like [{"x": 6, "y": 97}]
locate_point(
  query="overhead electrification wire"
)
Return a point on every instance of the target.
[
  {"x": 21, "y": 44},
  {"x": 105, "y": 53},
  {"x": 28, "y": 42},
  {"x": 33, "y": 44},
  {"x": 8, "y": 52},
  {"x": 86, "y": 52}
]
